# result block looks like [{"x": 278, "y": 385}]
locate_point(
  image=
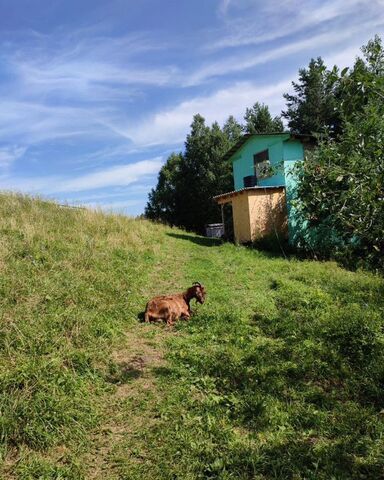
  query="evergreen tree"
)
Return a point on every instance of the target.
[
  {"x": 259, "y": 120},
  {"x": 187, "y": 183},
  {"x": 232, "y": 129},
  {"x": 163, "y": 200},
  {"x": 313, "y": 107},
  {"x": 204, "y": 174}
]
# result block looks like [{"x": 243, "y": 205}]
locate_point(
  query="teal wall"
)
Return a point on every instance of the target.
[{"x": 280, "y": 149}]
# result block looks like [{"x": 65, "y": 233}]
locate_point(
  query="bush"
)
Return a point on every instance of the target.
[{"x": 340, "y": 195}]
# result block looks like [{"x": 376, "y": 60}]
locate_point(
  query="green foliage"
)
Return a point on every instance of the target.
[
  {"x": 187, "y": 182},
  {"x": 341, "y": 186},
  {"x": 165, "y": 200},
  {"x": 364, "y": 84},
  {"x": 232, "y": 129},
  {"x": 259, "y": 120},
  {"x": 313, "y": 107}
]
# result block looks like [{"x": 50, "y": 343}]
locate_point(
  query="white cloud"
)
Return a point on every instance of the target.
[
  {"x": 243, "y": 62},
  {"x": 105, "y": 196},
  {"x": 85, "y": 66},
  {"x": 171, "y": 126},
  {"x": 112, "y": 176},
  {"x": 223, "y": 6},
  {"x": 260, "y": 22},
  {"x": 10, "y": 154},
  {"x": 343, "y": 58},
  {"x": 31, "y": 122},
  {"x": 120, "y": 175},
  {"x": 84, "y": 79}
]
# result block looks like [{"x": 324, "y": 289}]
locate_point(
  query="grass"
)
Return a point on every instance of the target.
[{"x": 279, "y": 375}]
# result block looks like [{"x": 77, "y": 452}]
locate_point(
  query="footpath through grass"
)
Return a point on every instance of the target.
[{"x": 280, "y": 374}]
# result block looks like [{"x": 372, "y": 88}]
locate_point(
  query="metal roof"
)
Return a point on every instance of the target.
[
  {"x": 244, "y": 138},
  {"x": 246, "y": 189}
]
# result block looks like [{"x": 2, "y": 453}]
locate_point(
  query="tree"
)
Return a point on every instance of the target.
[
  {"x": 163, "y": 200},
  {"x": 364, "y": 83},
  {"x": 259, "y": 120},
  {"x": 341, "y": 187},
  {"x": 232, "y": 129},
  {"x": 313, "y": 107},
  {"x": 187, "y": 182},
  {"x": 204, "y": 174}
]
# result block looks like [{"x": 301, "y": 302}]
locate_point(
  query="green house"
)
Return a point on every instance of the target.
[{"x": 264, "y": 184}]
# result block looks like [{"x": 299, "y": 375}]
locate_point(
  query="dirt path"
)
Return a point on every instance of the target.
[
  {"x": 134, "y": 384},
  {"x": 130, "y": 406}
]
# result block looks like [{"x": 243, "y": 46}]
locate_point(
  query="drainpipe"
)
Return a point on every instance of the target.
[{"x": 222, "y": 218}]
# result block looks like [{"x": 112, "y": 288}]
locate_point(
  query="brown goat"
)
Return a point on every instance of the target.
[{"x": 172, "y": 307}]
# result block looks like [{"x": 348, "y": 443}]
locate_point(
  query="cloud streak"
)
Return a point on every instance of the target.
[
  {"x": 244, "y": 30},
  {"x": 171, "y": 125},
  {"x": 119, "y": 175},
  {"x": 9, "y": 154},
  {"x": 240, "y": 63}
]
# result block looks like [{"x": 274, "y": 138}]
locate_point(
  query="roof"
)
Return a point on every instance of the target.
[
  {"x": 244, "y": 138},
  {"x": 246, "y": 189}
]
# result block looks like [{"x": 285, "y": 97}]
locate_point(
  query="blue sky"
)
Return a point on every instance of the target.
[{"x": 96, "y": 94}]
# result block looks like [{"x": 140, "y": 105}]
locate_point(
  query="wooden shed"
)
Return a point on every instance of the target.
[
  {"x": 258, "y": 212},
  {"x": 264, "y": 184}
]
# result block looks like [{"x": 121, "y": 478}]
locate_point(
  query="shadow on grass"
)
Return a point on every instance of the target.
[
  {"x": 163, "y": 372},
  {"x": 269, "y": 246},
  {"x": 125, "y": 372},
  {"x": 204, "y": 241}
]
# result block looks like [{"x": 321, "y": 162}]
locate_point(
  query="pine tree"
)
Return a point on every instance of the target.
[
  {"x": 232, "y": 129},
  {"x": 163, "y": 200},
  {"x": 259, "y": 120},
  {"x": 187, "y": 182},
  {"x": 313, "y": 107}
]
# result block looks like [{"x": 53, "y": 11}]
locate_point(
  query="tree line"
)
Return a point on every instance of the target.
[
  {"x": 340, "y": 193},
  {"x": 188, "y": 180}
]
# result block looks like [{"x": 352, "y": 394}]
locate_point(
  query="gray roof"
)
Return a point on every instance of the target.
[
  {"x": 245, "y": 189},
  {"x": 244, "y": 138}
]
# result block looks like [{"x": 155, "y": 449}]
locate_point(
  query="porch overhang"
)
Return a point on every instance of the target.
[{"x": 228, "y": 197}]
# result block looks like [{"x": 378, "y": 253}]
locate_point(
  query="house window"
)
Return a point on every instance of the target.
[{"x": 262, "y": 165}]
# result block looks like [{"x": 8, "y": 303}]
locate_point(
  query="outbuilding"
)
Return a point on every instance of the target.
[{"x": 264, "y": 184}]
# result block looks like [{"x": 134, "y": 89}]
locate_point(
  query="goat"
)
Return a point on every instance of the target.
[{"x": 172, "y": 307}]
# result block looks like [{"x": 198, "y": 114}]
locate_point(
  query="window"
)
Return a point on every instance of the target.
[{"x": 262, "y": 165}]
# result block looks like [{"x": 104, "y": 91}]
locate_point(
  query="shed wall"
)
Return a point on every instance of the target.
[
  {"x": 268, "y": 214},
  {"x": 241, "y": 224}
]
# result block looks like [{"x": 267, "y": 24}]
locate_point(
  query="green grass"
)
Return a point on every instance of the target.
[{"x": 279, "y": 374}]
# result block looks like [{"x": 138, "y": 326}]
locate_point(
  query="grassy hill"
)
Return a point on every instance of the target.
[{"x": 280, "y": 374}]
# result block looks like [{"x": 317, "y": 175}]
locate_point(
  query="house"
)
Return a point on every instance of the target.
[{"x": 264, "y": 184}]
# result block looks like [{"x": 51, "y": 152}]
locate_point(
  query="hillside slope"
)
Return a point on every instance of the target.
[{"x": 279, "y": 374}]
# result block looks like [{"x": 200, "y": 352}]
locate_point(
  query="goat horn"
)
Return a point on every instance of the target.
[{"x": 197, "y": 283}]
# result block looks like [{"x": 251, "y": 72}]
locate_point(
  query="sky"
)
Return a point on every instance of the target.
[{"x": 96, "y": 94}]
